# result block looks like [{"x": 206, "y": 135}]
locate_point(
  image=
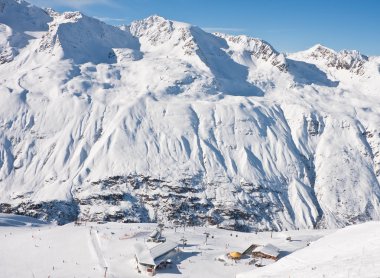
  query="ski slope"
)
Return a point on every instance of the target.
[
  {"x": 84, "y": 251},
  {"x": 351, "y": 252}
]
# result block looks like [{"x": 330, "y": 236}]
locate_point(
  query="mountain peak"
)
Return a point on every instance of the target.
[
  {"x": 22, "y": 16},
  {"x": 319, "y": 46},
  {"x": 257, "y": 48},
  {"x": 156, "y": 27},
  {"x": 156, "y": 18},
  {"x": 73, "y": 16},
  {"x": 85, "y": 39},
  {"x": 350, "y": 60},
  {"x": 320, "y": 50}
]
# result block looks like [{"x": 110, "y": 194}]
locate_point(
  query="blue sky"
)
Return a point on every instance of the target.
[{"x": 289, "y": 25}]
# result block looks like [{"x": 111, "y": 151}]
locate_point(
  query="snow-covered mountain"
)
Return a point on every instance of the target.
[{"x": 162, "y": 121}]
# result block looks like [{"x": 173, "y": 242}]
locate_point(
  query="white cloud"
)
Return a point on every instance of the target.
[
  {"x": 223, "y": 29},
  {"x": 110, "y": 19},
  {"x": 81, "y": 3},
  {"x": 71, "y": 3}
]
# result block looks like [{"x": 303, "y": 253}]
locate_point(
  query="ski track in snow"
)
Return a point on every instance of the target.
[{"x": 96, "y": 245}]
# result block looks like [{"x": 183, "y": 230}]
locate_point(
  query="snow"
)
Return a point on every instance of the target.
[
  {"x": 19, "y": 221},
  {"x": 84, "y": 39},
  {"x": 350, "y": 252},
  {"x": 85, "y": 250},
  {"x": 143, "y": 255},
  {"x": 161, "y": 121}
]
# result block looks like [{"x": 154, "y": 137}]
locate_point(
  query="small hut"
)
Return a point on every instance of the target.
[{"x": 266, "y": 252}]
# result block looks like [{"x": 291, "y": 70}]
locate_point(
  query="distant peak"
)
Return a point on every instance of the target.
[
  {"x": 72, "y": 15},
  {"x": 258, "y": 48},
  {"x": 151, "y": 21},
  {"x": 351, "y": 60},
  {"x": 158, "y": 29},
  {"x": 157, "y": 20},
  {"x": 354, "y": 54},
  {"x": 51, "y": 12},
  {"x": 155, "y": 17},
  {"x": 321, "y": 49},
  {"x": 22, "y": 16}
]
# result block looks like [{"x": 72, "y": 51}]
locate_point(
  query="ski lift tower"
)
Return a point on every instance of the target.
[
  {"x": 160, "y": 227},
  {"x": 184, "y": 241},
  {"x": 207, "y": 234}
]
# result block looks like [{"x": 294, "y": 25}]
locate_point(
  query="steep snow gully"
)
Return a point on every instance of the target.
[{"x": 162, "y": 121}]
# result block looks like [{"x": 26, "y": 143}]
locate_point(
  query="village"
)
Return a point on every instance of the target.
[
  {"x": 152, "y": 258},
  {"x": 107, "y": 249}
]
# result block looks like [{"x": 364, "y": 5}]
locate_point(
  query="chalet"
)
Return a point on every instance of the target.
[
  {"x": 149, "y": 259},
  {"x": 266, "y": 252}
]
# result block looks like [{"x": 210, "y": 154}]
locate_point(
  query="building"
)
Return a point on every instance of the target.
[
  {"x": 156, "y": 236},
  {"x": 149, "y": 259},
  {"x": 267, "y": 252}
]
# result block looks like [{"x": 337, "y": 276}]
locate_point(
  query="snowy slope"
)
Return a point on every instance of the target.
[
  {"x": 19, "y": 22},
  {"x": 42, "y": 249},
  {"x": 84, "y": 250},
  {"x": 161, "y": 121},
  {"x": 7, "y": 220},
  {"x": 350, "y": 252}
]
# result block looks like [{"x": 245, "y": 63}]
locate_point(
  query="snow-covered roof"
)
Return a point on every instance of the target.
[
  {"x": 148, "y": 256},
  {"x": 154, "y": 234},
  {"x": 162, "y": 249},
  {"x": 143, "y": 254},
  {"x": 268, "y": 249}
]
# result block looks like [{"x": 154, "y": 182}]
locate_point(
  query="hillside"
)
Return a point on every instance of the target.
[
  {"x": 162, "y": 121},
  {"x": 350, "y": 252}
]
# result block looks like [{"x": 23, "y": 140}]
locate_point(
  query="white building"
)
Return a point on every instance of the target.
[{"x": 148, "y": 259}]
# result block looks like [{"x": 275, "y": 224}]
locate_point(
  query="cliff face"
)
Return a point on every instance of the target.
[{"x": 161, "y": 121}]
